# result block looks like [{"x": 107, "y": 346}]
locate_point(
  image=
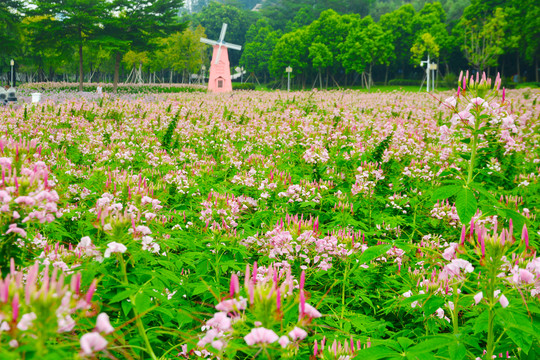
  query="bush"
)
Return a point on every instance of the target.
[
  {"x": 450, "y": 80},
  {"x": 243, "y": 86}
]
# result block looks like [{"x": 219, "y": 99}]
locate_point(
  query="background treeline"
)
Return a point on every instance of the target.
[{"x": 326, "y": 42}]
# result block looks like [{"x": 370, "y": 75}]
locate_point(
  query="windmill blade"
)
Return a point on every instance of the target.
[
  {"x": 209, "y": 42},
  {"x": 218, "y": 55},
  {"x": 232, "y": 46},
  {"x": 223, "y": 31}
]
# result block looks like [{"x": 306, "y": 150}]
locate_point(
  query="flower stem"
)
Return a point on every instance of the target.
[
  {"x": 138, "y": 321},
  {"x": 474, "y": 147}
]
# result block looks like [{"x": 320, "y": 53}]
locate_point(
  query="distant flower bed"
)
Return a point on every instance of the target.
[{"x": 106, "y": 88}]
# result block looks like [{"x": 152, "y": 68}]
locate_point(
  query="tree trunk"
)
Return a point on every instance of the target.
[
  {"x": 118, "y": 57},
  {"x": 386, "y": 76},
  {"x": 320, "y": 80},
  {"x": 517, "y": 65},
  {"x": 81, "y": 75},
  {"x": 536, "y": 67}
]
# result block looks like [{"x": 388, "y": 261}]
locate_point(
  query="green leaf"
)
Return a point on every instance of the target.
[
  {"x": 524, "y": 341},
  {"x": 431, "y": 344},
  {"x": 126, "y": 307},
  {"x": 444, "y": 192},
  {"x": 481, "y": 323},
  {"x": 122, "y": 295},
  {"x": 457, "y": 351},
  {"x": 466, "y": 205},
  {"x": 373, "y": 253},
  {"x": 377, "y": 352},
  {"x": 405, "y": 342}
]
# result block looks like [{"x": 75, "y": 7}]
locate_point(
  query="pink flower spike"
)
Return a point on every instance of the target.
[
  {"x": 482, "y": 244},
  {"x": 235, "y": 285},
  {"x": 15, "y": 307},
  {"x": 503, "y": 94},
  {"x": 278, "y": 298},
  {"x": 302, "y": 305},
  {"x": 504, "y": 301},
  {"x": 463, "y": 233},
  {"x": 251, "y": 291},
  {"x": 460, "y": 76},
  {"x": 255, "y": 272},
  {"x": 315, "y": 348},
  {"x": 302, "y": 279},
  {"x": 247, "y": 277},
  {"x": 510, "y": 228},
  {"x": 525, "y": 235},
  {"x": 91, "y": 291}
]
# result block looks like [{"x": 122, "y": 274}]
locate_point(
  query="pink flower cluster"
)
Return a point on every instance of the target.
[
  {"x": 262, "y": 307},
  {"x": 221, "y": 211},
  {"x": 33, "y": 303},
  {"x": 299, "y": 239}
]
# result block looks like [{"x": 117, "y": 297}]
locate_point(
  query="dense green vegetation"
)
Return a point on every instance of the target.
[{"x": 327, "y": 43}]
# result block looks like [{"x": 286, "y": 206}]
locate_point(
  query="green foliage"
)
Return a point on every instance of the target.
[{"x": 243, "y": 86}]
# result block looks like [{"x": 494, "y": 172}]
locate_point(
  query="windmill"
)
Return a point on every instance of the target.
[{"x": 220, "y": 72}]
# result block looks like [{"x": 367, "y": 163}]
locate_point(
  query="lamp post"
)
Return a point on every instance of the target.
[
  {"x": 289, "y": 71},
  {"x": 203, "y": 73},
  {"x": 12, "y": 63}
]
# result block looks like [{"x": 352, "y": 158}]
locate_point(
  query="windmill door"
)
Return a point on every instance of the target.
[{"x": 220, "y": 83}]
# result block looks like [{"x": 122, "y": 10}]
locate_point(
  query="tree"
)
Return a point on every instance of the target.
[
  {"x": 366, "y": 45},
  {"x": 426, "y": 44},
  {"x": 136, "y": 24},
  {"x": 68, "y": 23},
  {"x": 321, "y": 58},
  {"x": 398, "y": 24},
  {"x": 260, "y": 42},
  {"x": 9, "y": 30},
  {"x": 483, "y": 39},
  {"x": 181, "y": 52},
  {"x": 291, "y": 50}
]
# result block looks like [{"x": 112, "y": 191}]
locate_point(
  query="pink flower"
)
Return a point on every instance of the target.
[
  {"x": 17, "y": 230},
  {"x": 103, "y": 324},
  {"x": 284, "y": 341},
  {"x": 114, "y": 247},
  {"x": 298, "y": 334},
  {"x": 217, "y": 344},
  {"x": 261, "y": 335},
  {"x": 26, "y": 321},
  {"x": 450, "y": 252},
  {"x": 232, "y": 305},
  {"x": 526, "y": 276},
  {"x": 92, "y": 342},
  {"x": 504, "y": 301},
  {"x": 478, "y": 297},
  {"x": 440, "y": 313},
  {"x": 311, "y": 311},
  {"x": 220, "y": 321}
]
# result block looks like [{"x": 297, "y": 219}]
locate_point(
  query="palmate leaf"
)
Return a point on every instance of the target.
[
  {"x": 444, "y": 192},
  {"x": 373, "y": 253},
  {"x": 466, "y": 205}
]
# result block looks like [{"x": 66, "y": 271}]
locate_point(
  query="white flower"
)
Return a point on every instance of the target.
[{"x": 114, "y": 247}]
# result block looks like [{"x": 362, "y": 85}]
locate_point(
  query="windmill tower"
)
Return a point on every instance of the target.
[{"x": 220, "y": 72}]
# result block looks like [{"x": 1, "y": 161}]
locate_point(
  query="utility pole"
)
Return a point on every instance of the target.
[{"x": 289, "y": 71}]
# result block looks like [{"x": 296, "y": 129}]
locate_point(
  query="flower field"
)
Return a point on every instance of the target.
[{"x": 307, "y": 225}]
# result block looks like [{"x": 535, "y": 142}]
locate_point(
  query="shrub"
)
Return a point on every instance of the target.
[{"x": 243, "y": 86}]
